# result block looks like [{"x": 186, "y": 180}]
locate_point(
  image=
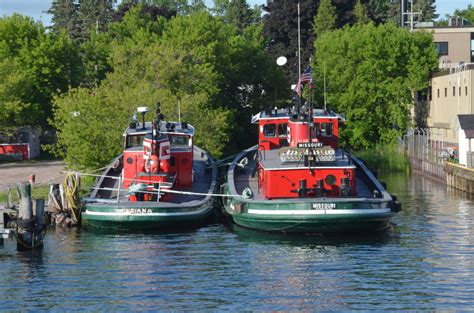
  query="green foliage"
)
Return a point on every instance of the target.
[
  {"x": 94, "y": 15},
  {"x": 360, "y": 13},
  {"x": 372, "y": 73},
  {"x": 427, "y": 9},
  {"x": 94, "y": 54},
  {"x": 237, "y": 13},
  {"x": 383, "y": 158},
  {"x": 88, "y": 133},
  {"x": 467, "y": 13},
  {"x": 281, "y": 29},
  {"x": 64, "y": 17},
  {"x": 16, "y": 31},
  {"x": 35, "y": 67},
  {"x": 195, "y": 64},
  {"x": 325, "y": 19}
]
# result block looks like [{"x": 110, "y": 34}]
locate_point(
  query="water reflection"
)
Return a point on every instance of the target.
[{"x": 424, "y": 262}]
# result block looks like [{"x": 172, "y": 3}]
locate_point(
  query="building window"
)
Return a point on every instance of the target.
[
  {"x": 459, "y": 92},
  {"x": 465, "y": 90},
  {"x": 454, "y": 91},
  {"x": 438, "y": 92},
  {"x": 445, "y": 92},
  {"x": 442, "y": 47}
]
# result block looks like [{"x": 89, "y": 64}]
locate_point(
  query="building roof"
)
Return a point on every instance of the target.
[{"x": 466, "y": 122}]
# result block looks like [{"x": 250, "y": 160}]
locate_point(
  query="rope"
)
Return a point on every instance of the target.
[
  {"x": 161, "y": 189},
  {"x": 72, "y": 196},
  {"x": 175, "y": 192}
]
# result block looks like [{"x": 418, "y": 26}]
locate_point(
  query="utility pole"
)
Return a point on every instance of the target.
[{"x": 411, "y": 14}]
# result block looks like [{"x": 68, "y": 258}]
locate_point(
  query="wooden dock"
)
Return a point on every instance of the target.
[
  {"x": 459, "y": 177},
  {"x": 4, "y": 232}
]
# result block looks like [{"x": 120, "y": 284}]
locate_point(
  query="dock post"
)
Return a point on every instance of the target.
[
  {"x": 2, "y": 225},
  {"x": 30, "y": 224}
]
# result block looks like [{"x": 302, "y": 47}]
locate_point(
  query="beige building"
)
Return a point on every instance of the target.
[
  {"x": 451, "y": 89},
  {"x": 451, "y": 94},
  {"x": 454, "y": 44}
]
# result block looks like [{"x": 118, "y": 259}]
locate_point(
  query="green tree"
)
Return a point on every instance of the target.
[
  {"x": 467, "y": 13},
  {"x": 281, "y": 29},
  {"x": 325, "y": 19},
  {"x": 216, "y": 76},
  {"x": 16, "y": 107},
  {"x": 372, "y": 74},
  {"x": 360, "y": 13},
  {"x": 379, "y": 10},
  {"x": 237, "y": 12},
  {"x": 427, "y": 9},
  {"x": 16, "y": 31},
  {"x": 94, "y": 15},
  {"x": 64, "y": 17},
  {"x": 35, "y": 66},
  {"x": 95, "y": 58}
]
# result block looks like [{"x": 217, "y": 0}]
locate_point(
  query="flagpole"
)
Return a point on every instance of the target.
[
  {"x": 299, "y": 42},
  {"x": 299, "y": 59}
]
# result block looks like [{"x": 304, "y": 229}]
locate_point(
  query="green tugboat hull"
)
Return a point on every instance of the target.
[
  {"x": 146, "y": 217},
  {"x": 305, "y": 215},
  {"x": 109, "y": 206},
  {"x": 301, "y": 217}
]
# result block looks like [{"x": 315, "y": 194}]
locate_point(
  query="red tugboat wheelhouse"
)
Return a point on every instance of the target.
[
  {"x": 160, "y": 181},
  {"x": 298, "y": 179}
]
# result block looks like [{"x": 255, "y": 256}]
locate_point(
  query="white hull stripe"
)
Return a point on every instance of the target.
[
  {"x": 145, "y": 214},
  {"x": 318, "y": 212}
]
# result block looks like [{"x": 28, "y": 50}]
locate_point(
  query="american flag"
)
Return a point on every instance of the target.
[{"x": 305, "y": 78}]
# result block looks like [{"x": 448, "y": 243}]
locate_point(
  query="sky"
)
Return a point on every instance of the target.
[{"x": 36, "y": 8}]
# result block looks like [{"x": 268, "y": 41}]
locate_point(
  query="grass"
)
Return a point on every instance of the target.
[
  {"x": 37, "y": 192},
  {"x": 42, "y": 191},
  {"x": 385, "y": 159}
]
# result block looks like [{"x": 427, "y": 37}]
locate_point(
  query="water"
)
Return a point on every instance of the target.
[{"x": 425, "y": 262}]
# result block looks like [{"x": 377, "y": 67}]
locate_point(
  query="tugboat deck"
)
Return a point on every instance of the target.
[
  {"x": 246, "y": 177},
  {"x": 270, "y": 159}
]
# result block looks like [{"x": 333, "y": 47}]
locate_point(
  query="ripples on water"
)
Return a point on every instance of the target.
[{"x": 424, "y": 262}]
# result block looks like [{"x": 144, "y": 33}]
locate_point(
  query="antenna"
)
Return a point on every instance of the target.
[{"x": 411, "y": 14}]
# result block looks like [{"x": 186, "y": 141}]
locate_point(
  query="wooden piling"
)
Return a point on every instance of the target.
[{"x": 30, "y": 223}]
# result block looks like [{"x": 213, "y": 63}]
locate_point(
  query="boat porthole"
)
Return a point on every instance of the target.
[
  {"x": 330, "y": 180},
  {"x": 129, "y": 160}
]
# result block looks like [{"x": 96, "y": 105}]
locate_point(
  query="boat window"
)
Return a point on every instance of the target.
[
  {"x": 135, "y": 141},
  {"x": 326, "y": 129},
  {"x": 282, "y": 129},
  {"x": 269, "y": 130},
  {"x": 317, "y": 130},
  {"x": 179, "y": 140}
]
